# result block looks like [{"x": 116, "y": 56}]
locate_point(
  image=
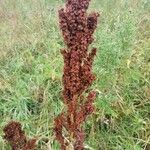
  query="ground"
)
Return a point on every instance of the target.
[{"x": 31, "y": 71}]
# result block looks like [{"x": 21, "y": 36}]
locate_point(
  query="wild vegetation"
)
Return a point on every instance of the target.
[
  {"x": 31, "y": 72},
  {"x": 77, "y": 30},
  {"x": 16, "y": 137}
]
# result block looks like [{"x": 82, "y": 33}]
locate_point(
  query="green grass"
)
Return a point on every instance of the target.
[{"x": 31, "y": 70}]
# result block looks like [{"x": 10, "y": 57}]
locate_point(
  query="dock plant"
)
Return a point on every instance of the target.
[{"x": 77, "y": 30}]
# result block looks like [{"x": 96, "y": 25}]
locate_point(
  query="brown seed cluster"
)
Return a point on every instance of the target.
[
  {"x": 16, "y": 137},
  {"x": 77, "y": 29}
]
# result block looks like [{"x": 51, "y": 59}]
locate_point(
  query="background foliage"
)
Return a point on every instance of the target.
[{"x": 31, "y": 69}]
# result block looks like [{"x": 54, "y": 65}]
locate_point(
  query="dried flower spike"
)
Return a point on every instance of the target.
[
  {"x": 16, "y": 137},
  {"x": 77, "y": 29}
]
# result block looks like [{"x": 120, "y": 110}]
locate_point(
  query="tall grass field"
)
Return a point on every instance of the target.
[{"x": 31, "y": 68}]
